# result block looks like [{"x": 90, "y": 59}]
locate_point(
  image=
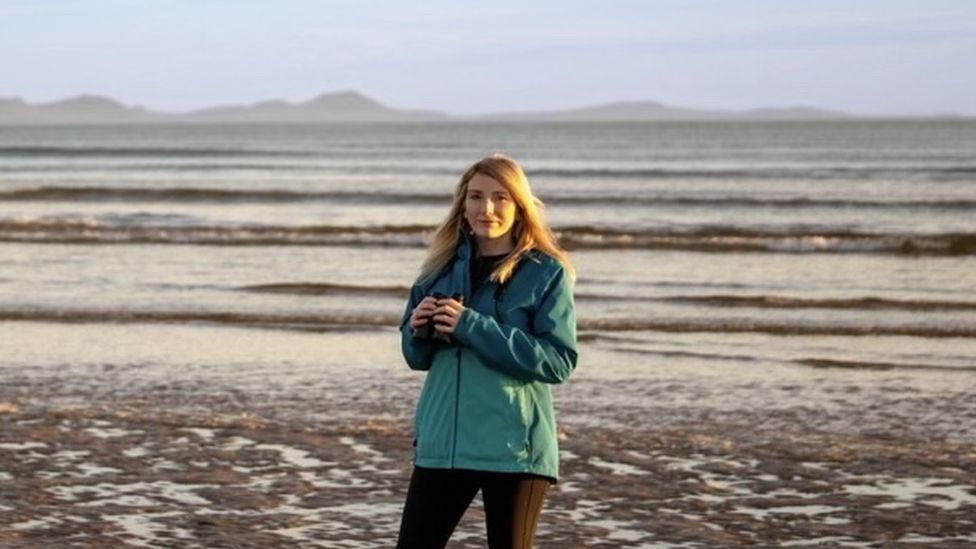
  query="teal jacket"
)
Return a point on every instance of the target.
[{"x": 486, "y": 403}]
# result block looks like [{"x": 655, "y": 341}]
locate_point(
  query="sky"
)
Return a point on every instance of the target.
[{"x": 875, "y": 57}]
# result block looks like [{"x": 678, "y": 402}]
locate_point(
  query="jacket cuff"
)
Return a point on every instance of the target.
[{"x": 465, "y": 325}]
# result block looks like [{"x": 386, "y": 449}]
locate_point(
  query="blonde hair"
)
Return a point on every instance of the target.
[{"x": 530, "y": 231}]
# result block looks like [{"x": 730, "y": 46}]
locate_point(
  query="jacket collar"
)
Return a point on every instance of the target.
[{"x": 465, "y": 246}]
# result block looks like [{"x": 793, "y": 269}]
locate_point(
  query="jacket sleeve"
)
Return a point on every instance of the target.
[
  {"x": 547, "y": 354},
  {"x": 417, "y": 352}
]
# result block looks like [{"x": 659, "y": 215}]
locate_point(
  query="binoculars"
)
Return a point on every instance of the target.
[{"x": 426, "y": 330}]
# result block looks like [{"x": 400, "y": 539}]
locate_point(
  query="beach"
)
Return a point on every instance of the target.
[
  {"x": 223, "y": 456},
  {"x": 777, "y": 326}
]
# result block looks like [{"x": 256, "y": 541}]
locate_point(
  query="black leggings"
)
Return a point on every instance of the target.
[{"x": 437, "y": 498}]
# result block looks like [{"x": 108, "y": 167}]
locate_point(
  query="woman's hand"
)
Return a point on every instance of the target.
[
  {"x": 422, "y": 312},
  {"x": 446, "y": 315}
]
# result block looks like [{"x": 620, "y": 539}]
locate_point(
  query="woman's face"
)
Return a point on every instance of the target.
[{"x": 489, "y": 208}]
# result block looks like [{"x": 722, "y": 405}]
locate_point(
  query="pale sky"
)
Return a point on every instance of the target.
[{"x": 860, "y": 56}]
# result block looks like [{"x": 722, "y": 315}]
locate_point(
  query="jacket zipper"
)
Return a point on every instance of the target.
[{"x": 457, "y": 407}]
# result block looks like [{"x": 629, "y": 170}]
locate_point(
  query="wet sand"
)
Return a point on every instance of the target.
[
  {"x": 164, "y": 449},
  {"x": 131, "y": 472}
]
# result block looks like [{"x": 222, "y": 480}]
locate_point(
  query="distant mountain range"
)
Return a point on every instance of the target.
[
  {"x": 351, "y": 106},
  {"x": 653, "y": 111},
  {"x": 328, "y": 107}
]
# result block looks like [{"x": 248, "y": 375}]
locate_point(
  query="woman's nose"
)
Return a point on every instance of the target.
[{"x": 489, "y": 207}]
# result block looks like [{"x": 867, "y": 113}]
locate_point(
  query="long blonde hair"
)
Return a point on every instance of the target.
[{"x": 530, "y": 231}]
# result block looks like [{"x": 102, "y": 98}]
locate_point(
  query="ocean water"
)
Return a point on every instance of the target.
[{"x": 841, "y": 244}]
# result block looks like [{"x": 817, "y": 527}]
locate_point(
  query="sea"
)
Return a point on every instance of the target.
[{"x": 853, "y": 242}]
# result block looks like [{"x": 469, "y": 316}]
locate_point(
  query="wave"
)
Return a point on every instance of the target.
[
  {"x": 775, "y": 328},
  {"x": 202, "y": 194},
  {"x": 866, "y": 365},
  {"x": 683, "y": 354},
  {"x": 179, "y": 195},
  {"x": 799, "y": 172},
  {"x": 706, "y": 239},
  {"x": 725, "y": 202},
  {"x": 168, "y": 159},
  {"x": 323, "y": 288},
  {"x": 797, "y": 239},
  {"x": 291, "y": 321},
  {"x": 146, "y": 168},
  {"x": 751, "y": 301},
  {"x": 314, "y": 288},
  {"x": 862, "y": 304},
  {"x": 40, "y": 151},
  {"x": 92, "y": 231},
  {"x": 356, "y": 320},
  {"x": 811, "y": 362}
]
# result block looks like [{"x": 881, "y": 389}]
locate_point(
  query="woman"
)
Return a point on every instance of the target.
[{"x": 492, "y": 320}]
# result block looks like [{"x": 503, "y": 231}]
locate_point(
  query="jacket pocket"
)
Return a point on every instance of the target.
[{"x": 499, "y": 431}]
